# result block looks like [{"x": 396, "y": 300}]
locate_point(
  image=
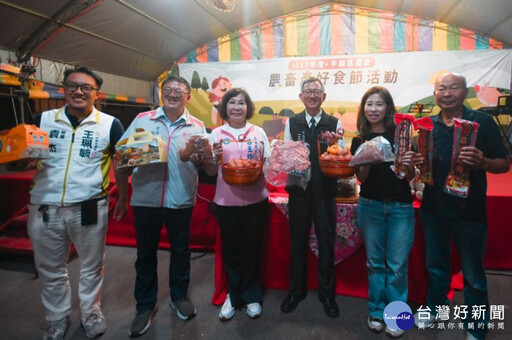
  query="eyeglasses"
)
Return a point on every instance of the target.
[
  {"x": 312, "y": 92},
  {"x": 85, "y": 88},
  {"x": 169, "y": 90}
]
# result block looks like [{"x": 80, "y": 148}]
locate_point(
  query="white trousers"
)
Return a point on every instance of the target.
[{"x": 51, "y": 241}]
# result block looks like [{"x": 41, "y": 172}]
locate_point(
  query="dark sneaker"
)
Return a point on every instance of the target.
[
  {"x": 94, "y": 324},
  {"x": 141, "y": 322},
  {"x": 55, "y": 330},
  {"x": 184, "y": 308}
]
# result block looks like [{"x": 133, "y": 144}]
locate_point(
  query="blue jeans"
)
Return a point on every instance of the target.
[
  {"x": 470, "y": 240},
  {"x": 388, "y": 233}
]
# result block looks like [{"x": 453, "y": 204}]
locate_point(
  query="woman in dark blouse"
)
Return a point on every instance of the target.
[{"x": 386, "y": 215}]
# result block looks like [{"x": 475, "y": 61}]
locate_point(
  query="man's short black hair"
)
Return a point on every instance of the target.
[
  {"x": 178, "y": 79},
  {"x": 85, "y": 70}
]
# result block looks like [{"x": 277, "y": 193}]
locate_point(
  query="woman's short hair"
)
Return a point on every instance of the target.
[{"x": 235, "y": 91}]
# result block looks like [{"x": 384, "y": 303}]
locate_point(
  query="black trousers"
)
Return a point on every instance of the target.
[
  {"x": 241, "y": 230},
  {"x": 148, "y": 224},
  {"x": 302, "y": 210}
]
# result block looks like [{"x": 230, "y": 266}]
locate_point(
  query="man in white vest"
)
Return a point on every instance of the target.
[{"x": 69, "y": 203}]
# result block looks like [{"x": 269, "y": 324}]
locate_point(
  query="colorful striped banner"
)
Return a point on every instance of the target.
[
  {"x": 336, "y": 22},
  {"x": 278, "y": 31},
  {"x": 335, "y": 29},
  {"x": 313, "y": 24}
]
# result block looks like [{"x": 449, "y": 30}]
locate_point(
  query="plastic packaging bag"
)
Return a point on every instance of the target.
[
  {"x": 425, "y": 148},
  {"x": 199, "y": 145},
  {"x": 288, "y": 164},
  {"x": 403, "y": 143},
  {"x": 374, "y": 151},
  {"x": 464, "y": 134}
]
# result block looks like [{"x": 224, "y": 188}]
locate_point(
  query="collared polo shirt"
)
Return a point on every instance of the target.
[
  {"x": 439, "y": 203},
  {"x": 173, "y": 184}
]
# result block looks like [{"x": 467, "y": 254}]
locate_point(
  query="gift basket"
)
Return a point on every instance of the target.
[
  {"x": 334, "y": 159},
  {"x": 246, "y": 167}
]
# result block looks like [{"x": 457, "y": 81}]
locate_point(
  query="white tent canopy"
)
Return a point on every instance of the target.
[{"x": 140, "y": 39}]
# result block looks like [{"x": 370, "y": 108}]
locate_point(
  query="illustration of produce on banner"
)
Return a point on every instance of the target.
[{"x": 274, "y": 84}]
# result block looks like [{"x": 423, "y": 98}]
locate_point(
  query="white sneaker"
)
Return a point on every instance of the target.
[
  {"x": 253, "y": 310},
  {"x": 375, "y": 324},
  {"x": 394, "y": 333},
  {"x": 227, "y": 311},
  {"x": 424, "y": 322}
]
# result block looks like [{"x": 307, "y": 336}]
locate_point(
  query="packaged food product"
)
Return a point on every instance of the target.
[
  {"x": 23, "y": 142},
  {"x": 464, "y": 134},
  {"x": 200, "y": 145},
  {"x": 141, "y": 148},
  {"x": 425, "y": 148},
  {"x": 403, "y": 143},
  {"x": 374, "y": 151},
  {"x": 288, "y": 164}
]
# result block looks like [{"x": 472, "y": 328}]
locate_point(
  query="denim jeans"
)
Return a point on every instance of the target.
[
  {"x": 148, "y": 225},
  {"x": 388, "y": 233},
  {"x": 469, "y": 239}
]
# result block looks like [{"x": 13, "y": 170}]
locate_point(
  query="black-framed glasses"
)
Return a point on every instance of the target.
[
  {"x": 85, "y": 88},
  {"x": 170, "y": 90},
  {"x": 313, "y": 92}
]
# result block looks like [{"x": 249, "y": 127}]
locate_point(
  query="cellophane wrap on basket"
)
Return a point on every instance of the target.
[
  {"x": 425, "y": 148},
  {"x": 464, "y": 134},
  {"x": 288, "y": 164},
  {"x": 197, "y": 144},
  {"x": 376, "y": 150},
  {"x": 403, "y": 143}
]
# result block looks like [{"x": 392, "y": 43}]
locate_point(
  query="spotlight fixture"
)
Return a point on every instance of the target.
[{"x": 223, "y": 5}]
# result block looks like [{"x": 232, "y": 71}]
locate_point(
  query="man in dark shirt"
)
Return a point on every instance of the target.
[
  {"x": 317, "y": 203},
  {"x": 446, "y": 217}
]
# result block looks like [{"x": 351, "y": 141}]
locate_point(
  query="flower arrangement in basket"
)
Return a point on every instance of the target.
[
  {"x": 240, "y": 171},
  {"x": 333, "y": 158}
]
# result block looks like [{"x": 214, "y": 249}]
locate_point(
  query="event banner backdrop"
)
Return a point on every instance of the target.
[{"x": 274, "y": 84}]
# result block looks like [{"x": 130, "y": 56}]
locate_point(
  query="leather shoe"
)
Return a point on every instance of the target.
[
  {"x": 291, "y": 302},
  {"x": 330, "y": 307}
]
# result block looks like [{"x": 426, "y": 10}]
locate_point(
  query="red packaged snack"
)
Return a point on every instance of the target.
[
  {"x": 425, "y": 148},
  {"x": 403, "y": 143},
  {"x": 464, "y": 134}
]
